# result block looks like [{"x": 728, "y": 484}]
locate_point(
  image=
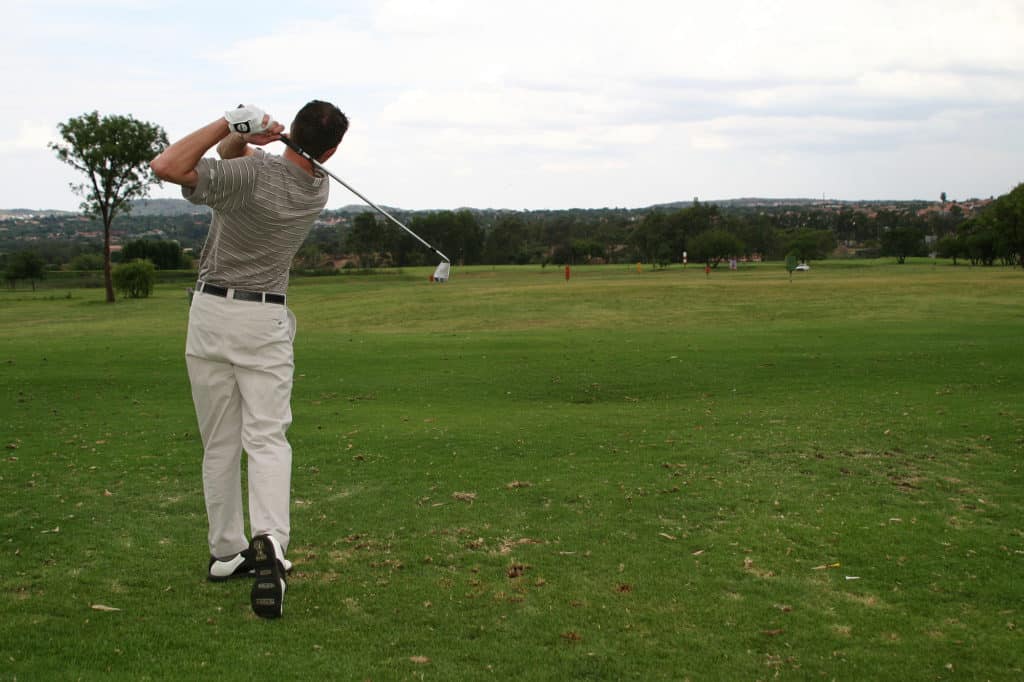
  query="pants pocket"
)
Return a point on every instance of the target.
[{"x": 292, "y": 324}]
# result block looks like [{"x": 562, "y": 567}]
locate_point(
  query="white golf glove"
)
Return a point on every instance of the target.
[{"x": 247, "y": 120}]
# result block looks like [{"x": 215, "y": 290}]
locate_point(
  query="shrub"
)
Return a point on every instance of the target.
[
  {"x": 86, "y": 261},
  {"x": 135, "y": 279},
  {"x": 24, "y": 265}
]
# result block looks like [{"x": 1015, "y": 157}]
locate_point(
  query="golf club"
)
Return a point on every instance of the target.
[{"x": 301, "y": 152}]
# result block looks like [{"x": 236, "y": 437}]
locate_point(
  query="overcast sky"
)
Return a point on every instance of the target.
[{"x": 548, "y": 103}]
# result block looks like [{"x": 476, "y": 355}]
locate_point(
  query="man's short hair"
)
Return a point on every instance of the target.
[{"x": 318, "y": 126}]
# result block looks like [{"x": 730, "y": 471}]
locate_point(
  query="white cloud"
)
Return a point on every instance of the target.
[
  {"x": 507, "y": 103},
  {"x": 31, "y": 135},
  {"x": 584, "y": 166},
  {"x": 788, "y": 133}
]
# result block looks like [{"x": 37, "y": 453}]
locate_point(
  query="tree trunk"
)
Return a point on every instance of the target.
[{"x": 108, "y": 280}]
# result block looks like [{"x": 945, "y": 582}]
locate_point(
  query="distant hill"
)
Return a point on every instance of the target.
[
  {"x": 30, "y": 212},
  {"x": 167, "y": 207},
  {"x": 180, "y": 207},
  {"x": 363, "y": 208},
  {"x": 140, "y": 207},
  {"x": 756, "y": 202}
]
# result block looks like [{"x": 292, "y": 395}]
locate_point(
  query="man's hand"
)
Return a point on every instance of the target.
[
  {"x": 250, "y": 120},
  {"x": 236, "y": 145},
  {"x": 272, "y": 133},
  {"x": 249, "y": 125}
]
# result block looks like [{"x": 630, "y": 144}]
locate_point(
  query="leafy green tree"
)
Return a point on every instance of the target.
[
  {"x": 650, "y": 235},
  {"x": 506, "y": 242},
  {"x": 810, "y": 244},
  {"x": 903, "y": 241},
  {"x": 164, "y": 255},
  {"x": 464, "y": 241},
  {"x": 758, "y": 235},
  {"x": 1006, "y": 218},
  {"x": 114, "y": 153},
  {"x": 135, "y": 279},
  {"x": 24, "y": 265},
  {"x": 559, "y": 228},
  {"x": 943, "y": 223},
  {"x": 714, "y": 246},
  {"x": 310, "y": 255},
  {"x": 668, "y": 235},
  {"x": 86, "y": 261},
  {"x": 951, "y": 246},
  {"x": 455, "y": 233},
  {"x": 982, "y": 243},
  {"x": 432, "y": 227},
  {"x": 585, "y": 250},
  {"x": 364, "y": 239}
]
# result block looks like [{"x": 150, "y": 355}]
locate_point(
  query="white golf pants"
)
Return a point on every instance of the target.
[{"x": 241, "y": 365}]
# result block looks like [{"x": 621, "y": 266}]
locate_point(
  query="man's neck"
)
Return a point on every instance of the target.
[{"x": 299, "y": 161}]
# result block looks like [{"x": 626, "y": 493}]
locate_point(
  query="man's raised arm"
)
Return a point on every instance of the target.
[{"x": 177, "y": 163}]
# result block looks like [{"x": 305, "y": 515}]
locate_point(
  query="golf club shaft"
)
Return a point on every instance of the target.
[{"x": 301, "y": 152}]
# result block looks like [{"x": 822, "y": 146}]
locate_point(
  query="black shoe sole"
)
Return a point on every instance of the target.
[{"x": 268, "y": 588}]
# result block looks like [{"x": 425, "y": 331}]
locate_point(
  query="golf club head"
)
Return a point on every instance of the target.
[{"x": 443, "y": 271}]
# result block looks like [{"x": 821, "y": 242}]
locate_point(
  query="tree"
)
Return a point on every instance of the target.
[
  {"x": 715, "y": 245},
  {"x": 661, "y": 238},
  {"x": 902, "y": 241},
  {"x": 165, "y": 255},
  {"x": 465, "y": 242},
  {"x": 981, "y": 242},
  {"x": 24, "y": 265},
  {"x": 114, "y": 153},
  {"x": 364, "y": 239},
  {"x": 454, "y": 233},
  {"x": 758, "y": 235},
  {"x": 650, "y": 237},
  {"x": 807, "y": 244},
  {"x": 586, "y": 250},
  {"x": 506, "y": 243},
  {"x": 86, "y": 261},
  {"x": 1005, "y": 217},
  {"x": 310, "y": 256},
  {"x": 951, "y": 246},
  {"x": 791, "y": 263},
  {"x": 982, "y": 247}
]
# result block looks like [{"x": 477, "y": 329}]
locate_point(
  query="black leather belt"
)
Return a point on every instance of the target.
[{"x": 240, "y": 294}]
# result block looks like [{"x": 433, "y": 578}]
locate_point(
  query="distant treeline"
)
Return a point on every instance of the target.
[{"x": 982, "y": 232}]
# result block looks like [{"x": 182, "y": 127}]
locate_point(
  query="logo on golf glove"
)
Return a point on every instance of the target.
[{"x": 246, "y": 119}]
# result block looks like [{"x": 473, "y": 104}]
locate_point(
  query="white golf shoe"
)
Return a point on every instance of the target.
[{"x": 238, "y": 566}]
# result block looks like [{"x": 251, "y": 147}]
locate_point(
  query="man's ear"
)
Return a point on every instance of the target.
[{"x": 327, "y": 154}]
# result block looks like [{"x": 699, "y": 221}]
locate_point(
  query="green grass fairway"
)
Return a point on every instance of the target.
[{"x": 648, "y": 476}]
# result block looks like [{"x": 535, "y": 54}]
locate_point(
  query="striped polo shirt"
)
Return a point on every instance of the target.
[{"x": 263, "y": 208}]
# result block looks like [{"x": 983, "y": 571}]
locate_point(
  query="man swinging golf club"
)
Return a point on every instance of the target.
[{"x": 240, "y": 331}]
